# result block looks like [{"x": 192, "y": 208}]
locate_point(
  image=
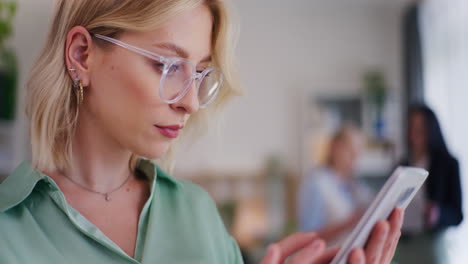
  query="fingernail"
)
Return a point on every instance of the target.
[{"x": 317, "y": 244}]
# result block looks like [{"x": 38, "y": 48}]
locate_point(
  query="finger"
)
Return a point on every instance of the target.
[
  {"x": 279, "y": 251},
  {"x": 309, "y": 254},
  {"x": 272, "y": 255},
  {"x": 389, "y": 257},
  {"x": 357, "y": 256},
  {"x": 396, "y": 221},
  {"x": 376, "y": 242},
  {"x": 327, "y": 256}
]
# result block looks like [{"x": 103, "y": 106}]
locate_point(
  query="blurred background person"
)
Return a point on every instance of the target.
[
  {"x": 330, "y": 199},
  {"x": 442, "y": 191},
  {"x": 438, "y": 205}
]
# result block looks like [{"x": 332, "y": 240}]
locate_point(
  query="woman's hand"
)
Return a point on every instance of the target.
[
  {"x": 299, "y": 248},
  {"x": 309, "y": 248},
  {"x": 383, "y": 241},
  {"x": 432, "y": 214}
]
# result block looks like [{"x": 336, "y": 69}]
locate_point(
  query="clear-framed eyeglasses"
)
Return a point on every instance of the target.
[{"x": 178, "y": 75}]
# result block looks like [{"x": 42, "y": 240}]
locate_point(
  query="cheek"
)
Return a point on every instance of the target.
[
  {"x": 417, "y": 136},
  {"x": 127, "y": 88},
  {"x": 136, "y": 85},
  {"x": 124, "y": 99}
]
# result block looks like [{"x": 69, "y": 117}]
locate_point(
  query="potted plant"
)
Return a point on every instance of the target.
[
  {"x": 376, "y": 91},
  {"x": 8, "y": 66}
]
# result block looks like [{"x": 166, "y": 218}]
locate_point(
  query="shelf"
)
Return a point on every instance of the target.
[{"x": 375, "y": 163}]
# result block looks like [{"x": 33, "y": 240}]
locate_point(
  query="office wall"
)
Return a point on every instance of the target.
[
  {"x": 31, "y": 28},
  {"x": 290, "y": 50},
  {"x": 285, "y": 51}
]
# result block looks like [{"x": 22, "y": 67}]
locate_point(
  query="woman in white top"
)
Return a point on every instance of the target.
[{"x": 330, "y": 199}]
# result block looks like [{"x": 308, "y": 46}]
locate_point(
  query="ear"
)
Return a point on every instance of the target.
[{"x": 78, "y": 53}]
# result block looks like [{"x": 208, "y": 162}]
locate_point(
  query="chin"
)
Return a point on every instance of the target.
[{"x": 153, "y": 151}]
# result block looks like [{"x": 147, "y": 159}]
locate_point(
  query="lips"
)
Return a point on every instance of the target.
[{"x": 169, "y": 131}]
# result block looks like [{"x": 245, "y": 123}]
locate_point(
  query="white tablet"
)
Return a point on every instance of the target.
[{"x": 397, "y": 192}]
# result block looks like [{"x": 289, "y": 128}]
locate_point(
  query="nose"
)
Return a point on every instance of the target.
[{"x": 189, "y": 103}]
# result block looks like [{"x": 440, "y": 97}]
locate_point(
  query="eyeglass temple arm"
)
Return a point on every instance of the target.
[{"x": 132, "y": 48}]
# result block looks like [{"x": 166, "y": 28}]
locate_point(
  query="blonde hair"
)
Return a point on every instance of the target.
[
  {"x": 346, "y": 133},
  {"x": 52, "y": 107}
]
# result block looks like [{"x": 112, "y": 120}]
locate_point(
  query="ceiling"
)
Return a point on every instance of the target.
[
  {"x": 386, "y": 2},
  {"x": 394, "y": 3}
]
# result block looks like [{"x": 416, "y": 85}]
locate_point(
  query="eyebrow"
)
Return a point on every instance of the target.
[{"x": 179, "y": 51}]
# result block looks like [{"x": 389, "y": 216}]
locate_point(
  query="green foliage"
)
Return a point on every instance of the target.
[
  {"x": 8, "y": 84},
  {"x": 8, "y": 66},
  {"x": 376, "y": 89},
  {"x": 7, "y": 13}
]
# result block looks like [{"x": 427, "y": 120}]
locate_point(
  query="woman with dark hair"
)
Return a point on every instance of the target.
[
  {"x": 427, "y": 149},
  {"x": 438, "y": 204}
]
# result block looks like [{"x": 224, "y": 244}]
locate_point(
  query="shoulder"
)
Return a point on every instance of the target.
[
  {"x": 170, "y": 187},
  {"x": 318, "y": 175},
  {"x": 325, "y": 179},
  {"x": 189, "y": 208},
  {"x": 453, "y": 161},
  {"x": 195, "y": 194},
  {"x": 453, "y": 167},
  {"x": 18, "y": 186},
  {"x": 183, "y": 198},
  {"x": 15, "y": 224},
  {"x": 182, "y": 188},
  {"x": 445, "y": 160},
  {"x": 314, "y": 184}
]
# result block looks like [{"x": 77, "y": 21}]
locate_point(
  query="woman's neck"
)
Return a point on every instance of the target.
[
  {"x": 98, "y": 162},
  {"x": 418, "y": 155},
  {"x": 344, "y": 174}
]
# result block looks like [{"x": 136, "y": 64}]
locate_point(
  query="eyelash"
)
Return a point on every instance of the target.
[{"x": 160, "y": 66}]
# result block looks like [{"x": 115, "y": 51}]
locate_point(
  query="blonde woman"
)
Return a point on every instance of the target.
[
  {"x": 116, "y": 84},
  {"x": 330, "y": 200}
]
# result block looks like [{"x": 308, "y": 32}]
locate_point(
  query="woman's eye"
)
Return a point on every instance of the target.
[
  {"x": 173, "y": 69},
  {"x": 159, "y": 66}
]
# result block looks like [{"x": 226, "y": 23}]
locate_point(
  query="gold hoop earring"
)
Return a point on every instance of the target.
[
  {"x": 80, "y": 94},
  {"x": 79, "y": 90},
  {"x": 78, "y": 85}
]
